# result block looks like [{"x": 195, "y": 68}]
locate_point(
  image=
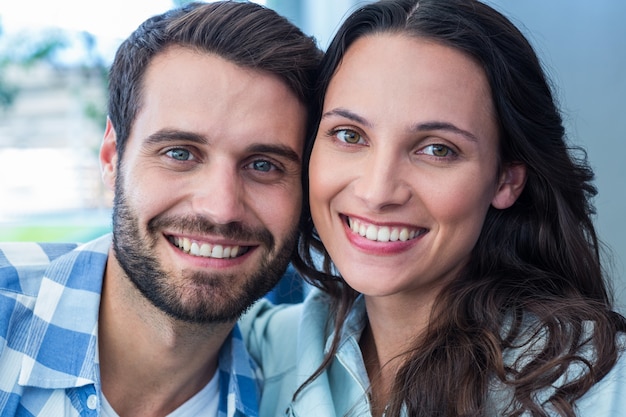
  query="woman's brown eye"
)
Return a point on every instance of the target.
[
  {"x": 440, "y": 150},
  {"x": 348, "y": 136}
]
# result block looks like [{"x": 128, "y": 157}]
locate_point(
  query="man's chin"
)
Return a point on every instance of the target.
[{"x": 205, "y": 298}]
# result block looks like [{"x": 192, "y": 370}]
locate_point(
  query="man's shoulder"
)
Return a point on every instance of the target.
[
  {"x": 23, "y": 265},
  {"x": 44, "y": 288}
]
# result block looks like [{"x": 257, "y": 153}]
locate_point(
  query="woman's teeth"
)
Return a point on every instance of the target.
[
  {"x": 206, "y": 250},
  {"x": 382, "y": 233}
]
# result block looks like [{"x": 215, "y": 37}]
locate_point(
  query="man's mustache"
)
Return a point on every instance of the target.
[{"x": 201, "y": 225}]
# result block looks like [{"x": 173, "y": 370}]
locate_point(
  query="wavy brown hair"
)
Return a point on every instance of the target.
[{"x": 536, "y": 262}]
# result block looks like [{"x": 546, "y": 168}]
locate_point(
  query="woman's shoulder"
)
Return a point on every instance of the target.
[
  {"x": 287, "y": 342},
  {"x": 272, "y": 320},
  {"x": 272, "y": 333},
  {"x": 266, "y": 322},
  {"x": 607, "y": 397}
]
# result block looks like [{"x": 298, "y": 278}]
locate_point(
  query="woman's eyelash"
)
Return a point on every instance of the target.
[{"x": 349, "y": 136}]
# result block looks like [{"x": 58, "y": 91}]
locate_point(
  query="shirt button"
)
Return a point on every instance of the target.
[{"x": 92, "y": 402}]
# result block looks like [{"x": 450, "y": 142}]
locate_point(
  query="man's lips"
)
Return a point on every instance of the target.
[{"x": 207, "y": 250}]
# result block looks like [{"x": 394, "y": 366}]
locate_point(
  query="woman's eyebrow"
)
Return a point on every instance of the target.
[
  {"x": 446, "y": 126},
  {"x": 347, "y": 114},
  {"x": 418, "y": 127}
]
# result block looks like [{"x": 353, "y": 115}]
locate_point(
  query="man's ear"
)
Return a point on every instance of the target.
[
  {"x": 108, "y": 156},
  {"x": 510, "y": 185}
]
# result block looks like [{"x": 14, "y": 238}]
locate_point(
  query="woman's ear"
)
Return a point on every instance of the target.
[
  {"x": 108, "y": 156},
  {"x": 510, "y": 185}
]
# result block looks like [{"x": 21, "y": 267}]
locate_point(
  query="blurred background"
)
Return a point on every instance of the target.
[{"x": 54, "y": 56}]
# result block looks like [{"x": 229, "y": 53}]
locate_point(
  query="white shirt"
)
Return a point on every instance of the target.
[{"x": 204, "y": 403}]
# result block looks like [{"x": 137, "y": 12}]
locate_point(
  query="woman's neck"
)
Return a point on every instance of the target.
[{"x": 393, "y": 329}]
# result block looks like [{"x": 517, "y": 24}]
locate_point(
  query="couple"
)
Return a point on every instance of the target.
[{"x": 465, "y": 277}]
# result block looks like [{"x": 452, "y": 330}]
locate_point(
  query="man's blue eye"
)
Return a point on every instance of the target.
[
  {"x": 180, "y": 154},
  {"x": 261, "y": 165}
]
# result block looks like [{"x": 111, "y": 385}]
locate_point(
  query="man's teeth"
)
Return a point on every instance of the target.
[
  {"x": 382, "y": 233},
  {"x": 206, "y": 250}
]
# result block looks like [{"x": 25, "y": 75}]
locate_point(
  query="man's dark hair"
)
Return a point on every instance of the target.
[{"x": 246, "y": 34}]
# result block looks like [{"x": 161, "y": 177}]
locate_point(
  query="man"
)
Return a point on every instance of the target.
[{"x": 203, "y": 147}]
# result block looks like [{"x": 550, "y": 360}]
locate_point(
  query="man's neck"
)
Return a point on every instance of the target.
[{"x": 150, "y": 364}]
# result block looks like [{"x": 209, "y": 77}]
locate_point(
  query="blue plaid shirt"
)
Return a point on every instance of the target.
[{"x": 49, "y": 301}]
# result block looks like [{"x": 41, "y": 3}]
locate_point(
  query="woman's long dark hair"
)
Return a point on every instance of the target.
[{"x": 536, "y": 262}]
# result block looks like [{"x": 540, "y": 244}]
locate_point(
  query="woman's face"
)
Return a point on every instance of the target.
[{"x": 405, "y": 165}]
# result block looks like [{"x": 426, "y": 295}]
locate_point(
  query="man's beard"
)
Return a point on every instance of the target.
[{"x": 203, "y": 297}]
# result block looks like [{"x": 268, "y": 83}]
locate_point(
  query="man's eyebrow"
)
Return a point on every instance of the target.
[
  {"x": 437, "y": 125},
  {"x": 169, "y": 135},
  {"x": 347, "y": 114},
  {"x": 278, "y": 150}
]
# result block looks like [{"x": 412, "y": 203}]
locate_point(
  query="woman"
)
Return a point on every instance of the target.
[{"x": 461, "y": 272}]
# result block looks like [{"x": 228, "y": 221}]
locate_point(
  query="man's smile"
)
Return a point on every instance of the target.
[{"x": 207, "y": 250}]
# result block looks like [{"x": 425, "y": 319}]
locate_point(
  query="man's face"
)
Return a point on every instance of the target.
[{"x": 208, "y": 194}]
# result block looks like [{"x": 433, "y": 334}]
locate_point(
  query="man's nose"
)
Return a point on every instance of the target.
[{"x": 219, "y": 194}]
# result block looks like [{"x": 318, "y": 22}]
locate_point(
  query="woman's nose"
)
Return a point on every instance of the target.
[{"x": 381, "y": 183}]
